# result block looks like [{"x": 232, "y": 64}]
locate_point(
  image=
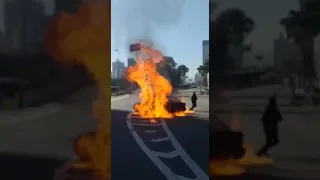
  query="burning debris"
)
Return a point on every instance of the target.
[
  {"x": 229, "y": 155},
  {"x": 84, "y": 37},
  {"x": 155, "y": 95}
]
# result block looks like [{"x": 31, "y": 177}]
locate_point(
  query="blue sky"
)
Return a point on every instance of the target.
[{"x": 180, "y": 38}]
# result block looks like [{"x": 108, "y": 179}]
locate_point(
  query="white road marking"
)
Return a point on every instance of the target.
[
  {"x": 187, "y": 159},
  {"x": 178, "y": 177},
  {"x": 150, "y": 131},
  {"x": 163, "y": 168},
  {"x": 160, "y": 139},
  {"x": 145, "y": 124},
  {"x": 168, "y": 155},
  {"x": 179, "y": 151}
]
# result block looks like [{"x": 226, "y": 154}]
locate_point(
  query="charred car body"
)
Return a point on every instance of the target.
[
  {"x": 173, "y": 105},
  {"x": 224, "y": 143}
]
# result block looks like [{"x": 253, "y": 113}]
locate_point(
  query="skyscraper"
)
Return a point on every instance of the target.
[
  {"x": 205, "y": 50},
  {"x": 118, "y": 69}
]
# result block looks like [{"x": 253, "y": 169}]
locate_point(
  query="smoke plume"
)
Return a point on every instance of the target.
[{"x": 139, "y": 19}]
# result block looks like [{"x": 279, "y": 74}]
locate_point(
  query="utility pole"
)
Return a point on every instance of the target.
[{"x": 118, "y": 71}]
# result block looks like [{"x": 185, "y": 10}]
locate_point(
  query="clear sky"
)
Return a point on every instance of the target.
[{"x": 177, "y": 28}]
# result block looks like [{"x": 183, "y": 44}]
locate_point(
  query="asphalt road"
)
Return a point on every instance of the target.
[
  {"x": 159, "y": 152},
  {"x": 37, "y": 141},
  {"x": 297, "y": 157}
]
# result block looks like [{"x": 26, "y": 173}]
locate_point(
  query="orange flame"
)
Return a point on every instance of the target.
[
  {"x": 155, "y": 89},
  {"x": 236, "y": 167},
  {"x": 84, "y": 37}
]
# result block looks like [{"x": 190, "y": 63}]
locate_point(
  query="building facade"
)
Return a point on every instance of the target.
[
  {"x": 205, "y": 50},
  {"x": 285, "y": 51},
  {"x": 198, "y": 79},
  {"x": 118, "y": 69}
]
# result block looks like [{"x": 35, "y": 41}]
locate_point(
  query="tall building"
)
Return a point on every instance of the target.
[
  {"x": 24, "y": 31},
  {"x": 205, "y": 50},
  {"x": 285, "y": 50},
  {"x": 131, "y": 62},
  {"x": 118, "y": 69},
  {"x": 198, "y": 78},
  {"x": 67, "y": 5}
]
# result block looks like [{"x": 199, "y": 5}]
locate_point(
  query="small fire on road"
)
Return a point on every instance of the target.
[
  {"x": 155, "y": 88},
  {"x": 84, "y": 38},
  {"x": 231, "y": 167}
]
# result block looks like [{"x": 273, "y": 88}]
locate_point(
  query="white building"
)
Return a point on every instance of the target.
[
  {"x": 118, "y": 69},
  {"x": 198, "y": 78}
]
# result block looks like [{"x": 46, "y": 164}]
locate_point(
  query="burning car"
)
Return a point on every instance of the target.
[
  {"x": 224, "y": 143},
  {"x": 173, "y": 105}
]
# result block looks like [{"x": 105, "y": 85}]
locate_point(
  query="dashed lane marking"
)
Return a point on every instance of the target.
[
  {"x": 178, "y": 152},
  {"x": 160, "y": 139},
  {"x": 150, "y": 131}
]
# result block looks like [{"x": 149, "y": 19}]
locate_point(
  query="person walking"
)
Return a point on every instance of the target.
[
  {"x": 270, "y": 121},
  {"x": 194, "y": 100}
]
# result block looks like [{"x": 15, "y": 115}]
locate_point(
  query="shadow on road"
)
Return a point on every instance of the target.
[{"x": 21, "y": 166}]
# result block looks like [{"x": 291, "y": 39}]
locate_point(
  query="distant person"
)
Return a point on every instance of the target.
[
  {"x": 194, "y": 99},
  {"x": 270, "y": 120}
]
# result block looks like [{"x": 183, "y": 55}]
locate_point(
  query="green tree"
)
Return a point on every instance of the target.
[
  {"x": 168, "y": 69},
  {"x": 302, "y": 26},
  {"x": 231, "y": 26},
  {"x": 236, "y": 23},
  {"x": 204, "y": 70},
  {"x": 183, "y": 69}
]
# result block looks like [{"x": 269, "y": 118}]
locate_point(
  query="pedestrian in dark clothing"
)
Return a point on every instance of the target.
[
  {"x": 194, "y": 101},
  {"x": 270, "y": 120}
]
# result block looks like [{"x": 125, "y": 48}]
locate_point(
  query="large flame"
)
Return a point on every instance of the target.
[
  {"x": 233, "y": 166},
  {"x": 155, "y": 88},
  {"x": 84, "y": 37}
]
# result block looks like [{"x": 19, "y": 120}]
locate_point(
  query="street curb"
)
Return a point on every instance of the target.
[{"x": 119, "y": 97}]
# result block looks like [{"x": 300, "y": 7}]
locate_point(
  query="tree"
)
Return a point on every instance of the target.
[
  {"x": 168, "y": 70},
  {"x": 183, "y": 69},
  {"x": 204, "y": 70},
  {"x": 302, "y": 27},
  {"x": 236, "y": 23},
  {"x": 231, "y": 26}
]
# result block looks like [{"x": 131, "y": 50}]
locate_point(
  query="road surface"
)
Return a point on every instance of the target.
[
  {"x": 298, "y": 154},
  {"x": 168, "y": 149},
  {"x": 36, "y": 141}
]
